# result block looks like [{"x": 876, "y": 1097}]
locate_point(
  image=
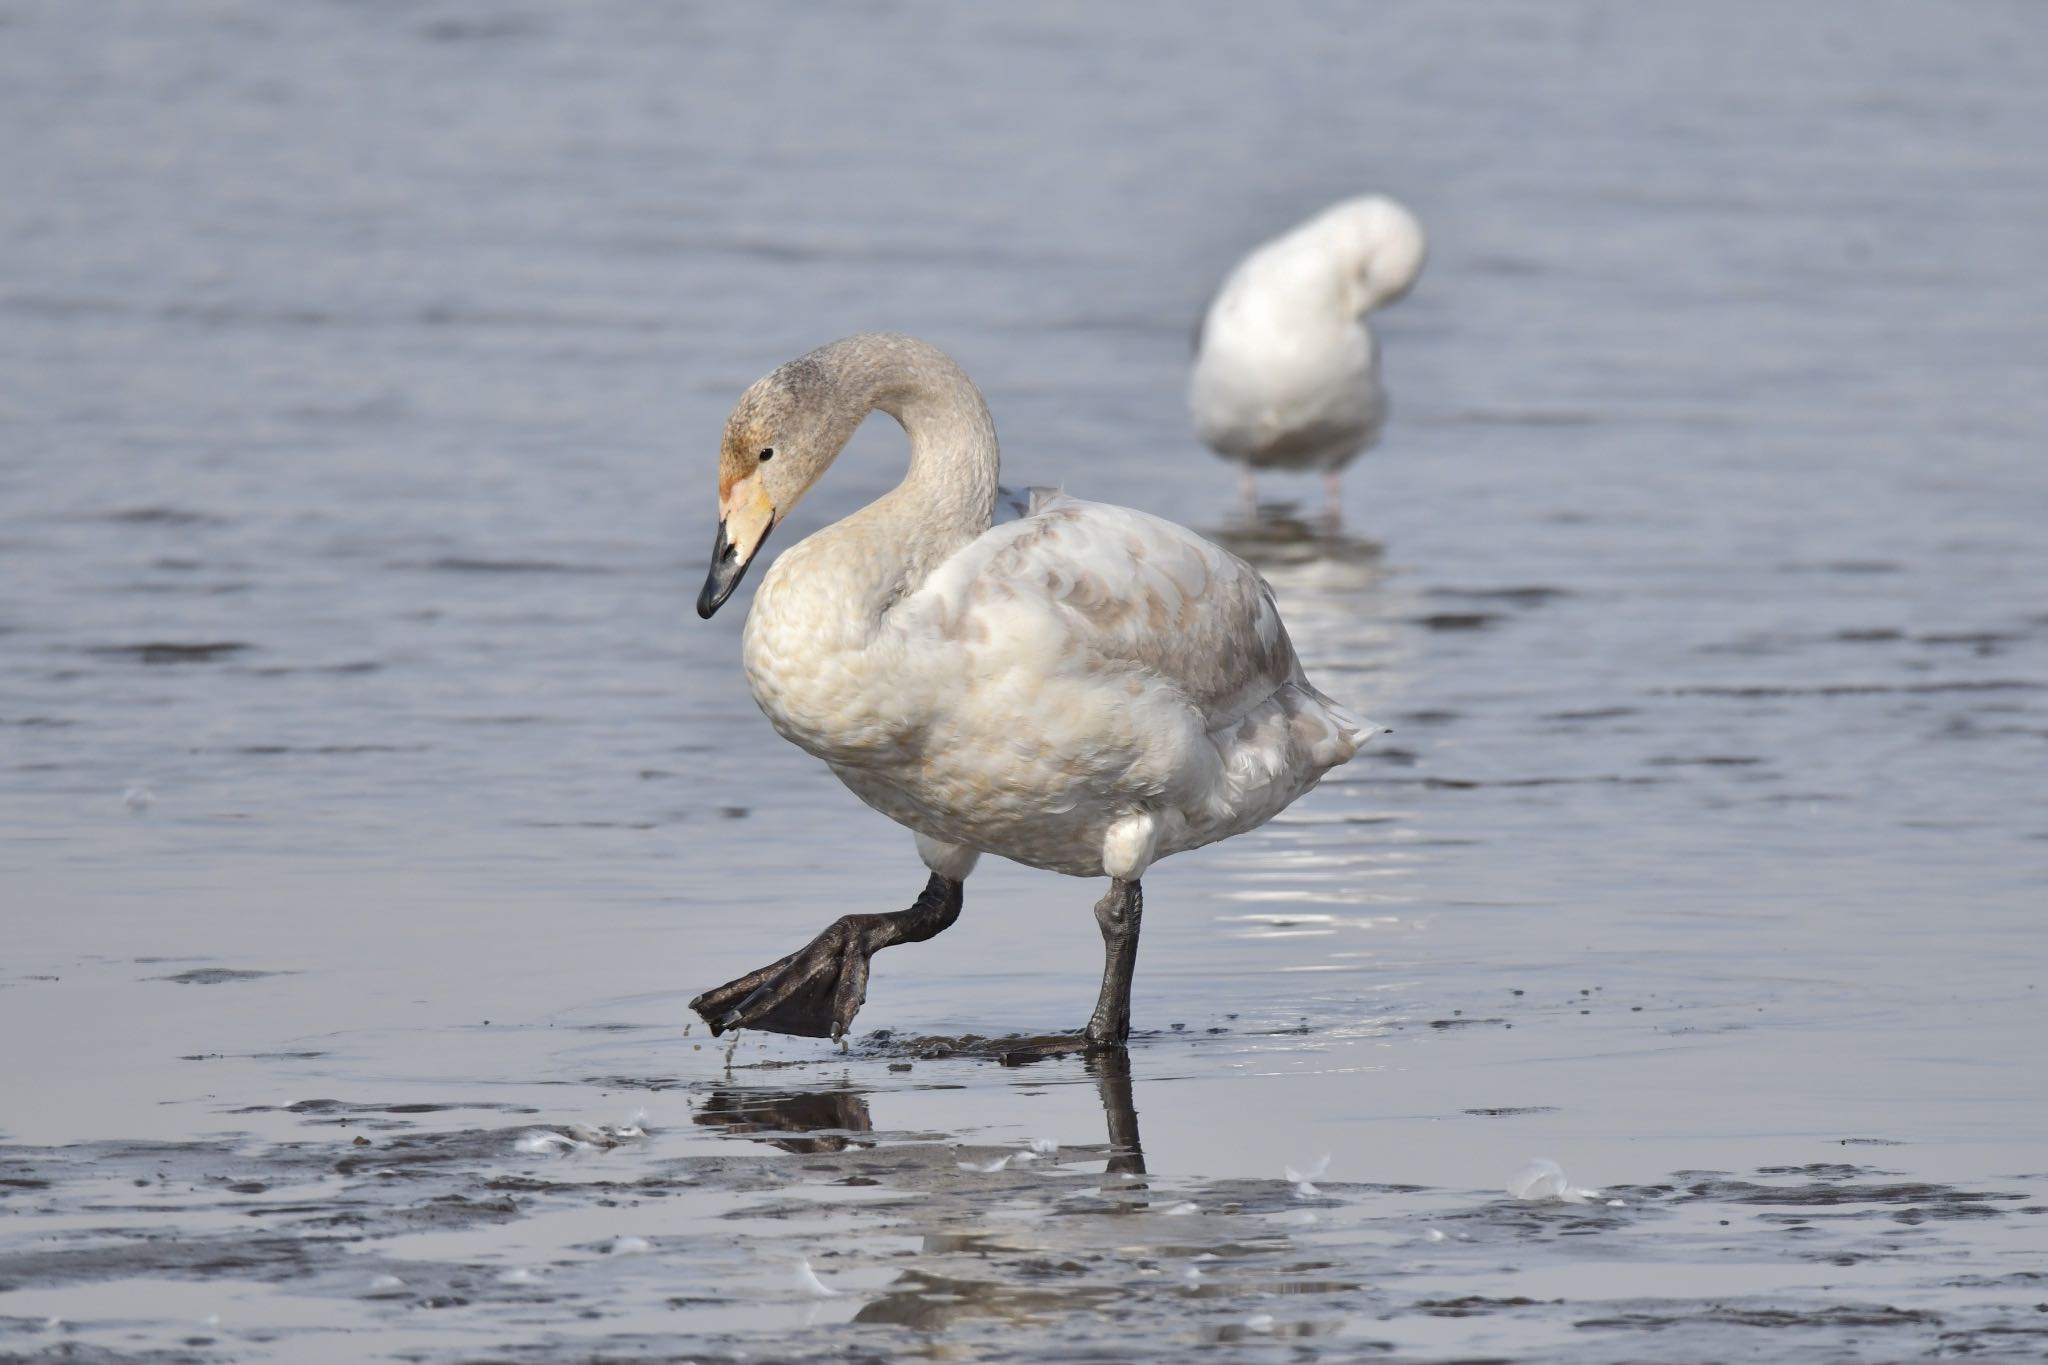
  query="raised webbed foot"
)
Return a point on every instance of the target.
[
  {"x": 813, "y": 993},
  {"x": 816, "y": 991}
]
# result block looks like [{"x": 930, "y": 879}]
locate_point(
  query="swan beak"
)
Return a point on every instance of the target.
[{"x": 741, "y": 532}]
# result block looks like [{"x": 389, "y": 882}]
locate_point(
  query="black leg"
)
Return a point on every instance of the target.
[
  {"x": 816, "y": 991},
  {"x": 1118, "y": 913}
]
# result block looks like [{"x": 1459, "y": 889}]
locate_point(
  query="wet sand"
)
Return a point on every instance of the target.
[
  {"x": 799, "y": 1208},
  {"x": 372, "y": 801}
]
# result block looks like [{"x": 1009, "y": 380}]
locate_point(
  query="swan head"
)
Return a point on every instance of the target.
[
  {"x": 786, "y": 429},
  {"x": 1382, "y": 247}
]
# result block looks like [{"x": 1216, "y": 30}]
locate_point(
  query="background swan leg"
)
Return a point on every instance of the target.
[
  {"x": 1118, "y": 913},
  {"x": 1333, "y": 499},
  {"x": 816, "y": 991},
  {"x": 1248, "y": 489}
]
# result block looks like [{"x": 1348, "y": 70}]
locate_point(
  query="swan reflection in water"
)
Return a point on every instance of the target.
[
  {"x": 1010, "y": 1242},
  {"x": 839, "y": 1120},
  {"x": 1278, "y": 537},
  {"x": 814, "y": 1121},
  {"x": 803, "y": 1122}
]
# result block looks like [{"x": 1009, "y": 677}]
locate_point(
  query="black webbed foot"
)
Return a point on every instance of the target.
[
  {"x": 816, "y": 991},
  {"x": 813, "y": 993}
]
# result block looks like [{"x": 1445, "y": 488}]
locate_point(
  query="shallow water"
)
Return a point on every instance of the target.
[{"x": 365, "y": 773}]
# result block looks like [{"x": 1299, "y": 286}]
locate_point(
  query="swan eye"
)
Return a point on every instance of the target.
[{"x": 767, "y": 455}]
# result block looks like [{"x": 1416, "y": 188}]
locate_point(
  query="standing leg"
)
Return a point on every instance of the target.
[
  {"x": 1333, "y": 499},
  {"x": 1118, "y": 913}
]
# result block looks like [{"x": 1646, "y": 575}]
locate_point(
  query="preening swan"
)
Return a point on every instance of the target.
[
  {"x": 1286, "y": 374},
  {"x": 1085, "y": 689}
]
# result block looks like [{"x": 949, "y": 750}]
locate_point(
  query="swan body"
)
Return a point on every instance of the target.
[
  {"x": 1052, "y": 679},
  {"x": 1286, "y": 374},
  {"x": 1085, "y": 688}
]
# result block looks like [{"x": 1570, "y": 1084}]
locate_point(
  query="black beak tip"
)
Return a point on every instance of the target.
[
  {"x": 727, "y": 569},
  {"x": 718, "y": 585}
]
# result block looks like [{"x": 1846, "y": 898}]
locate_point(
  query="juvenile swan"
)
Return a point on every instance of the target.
[
  {"x": 1086, "y": 689},
  {"x": 1286, "y": 375}
]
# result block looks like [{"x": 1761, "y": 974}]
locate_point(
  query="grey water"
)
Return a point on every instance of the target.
[{"x": 372, "y": 800}]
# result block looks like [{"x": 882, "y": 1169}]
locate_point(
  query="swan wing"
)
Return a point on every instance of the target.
[
  {"x": 1087, "y": 666},
  {"x": 1089, "y": 588}
]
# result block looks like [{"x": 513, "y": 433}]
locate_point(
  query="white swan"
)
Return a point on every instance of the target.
[
  {"x": 1086, "y": 689},
  {"x": 1286, "y": 375}
]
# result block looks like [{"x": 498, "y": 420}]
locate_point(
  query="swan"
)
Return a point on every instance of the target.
[
  {"x": 1084, "y": 689},
  {"x": 1286, "y": 375}
]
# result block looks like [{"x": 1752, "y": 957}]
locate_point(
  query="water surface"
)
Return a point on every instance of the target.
[{"x": 365, "y": 773}]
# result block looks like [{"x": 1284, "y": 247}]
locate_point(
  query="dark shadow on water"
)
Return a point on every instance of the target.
[
  {"x": 833, "y": 1120},
  {"x": 806, "y": 1123},
  {"x": 1112, "y": 1072}
]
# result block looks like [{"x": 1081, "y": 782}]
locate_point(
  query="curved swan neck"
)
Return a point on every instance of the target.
[
  {"x": 948, "y": 496},
  {"x": 1324, "y": 275}
]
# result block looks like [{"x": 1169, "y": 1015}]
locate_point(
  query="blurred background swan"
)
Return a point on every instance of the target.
[{"x": 1286, "y": 373}]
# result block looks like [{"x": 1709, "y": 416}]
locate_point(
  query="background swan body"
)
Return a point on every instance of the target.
[
  {"x": 1286, "y": 374},
  {"x": 1085, "y": 689}
]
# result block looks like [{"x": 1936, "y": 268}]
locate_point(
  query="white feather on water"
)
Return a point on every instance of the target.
[
  {"x": 1543, "y": 1179},
  {"x": 545, "y": 1142},
  {"x": 987, "y": 1167},
  {"x": 1304, "y": 1181},
  {"x": 807, "y": 1280},
  {"x": 579, "y": 1137}
]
